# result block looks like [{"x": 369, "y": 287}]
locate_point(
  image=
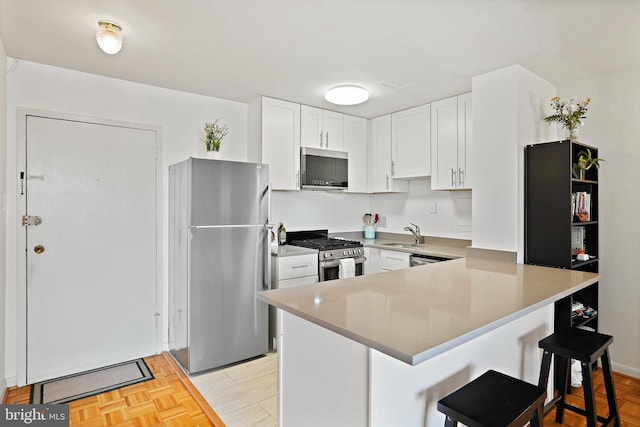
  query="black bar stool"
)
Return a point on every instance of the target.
[
  {"x": 494, "y": 399},
  {"x": 587, "y": 347}
]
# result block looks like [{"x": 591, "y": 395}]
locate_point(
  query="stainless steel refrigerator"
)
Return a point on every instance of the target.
[{"x": 218, "y": 260}]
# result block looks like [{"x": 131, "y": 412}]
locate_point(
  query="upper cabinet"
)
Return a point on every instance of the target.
[
  {"x": 355, "y": 143},
  {"x": 321, "y": 128},
  {"x": 380, "y": 179},
  {"x": 451, "y": 143},
  {"x": 410, "y": 142},
  {"x": 280, "y": 135}
]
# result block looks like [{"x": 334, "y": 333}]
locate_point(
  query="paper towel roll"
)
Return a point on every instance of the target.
[{"x": 347, "y": 268}]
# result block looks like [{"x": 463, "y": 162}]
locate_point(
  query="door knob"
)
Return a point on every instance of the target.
[{"x": 38, "y": 249}]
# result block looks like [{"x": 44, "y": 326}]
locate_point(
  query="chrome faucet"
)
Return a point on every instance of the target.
[{"x": 415, "y": 231}]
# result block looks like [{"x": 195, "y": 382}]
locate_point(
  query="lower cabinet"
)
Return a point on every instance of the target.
[
  {"x": 286, "y": 272},
  {"x": 372, "y": 263}
]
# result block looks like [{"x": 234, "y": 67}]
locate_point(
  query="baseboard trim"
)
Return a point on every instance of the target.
[
  {"x": 3, "y": 389},
  {"x": 625, "y": 370}
]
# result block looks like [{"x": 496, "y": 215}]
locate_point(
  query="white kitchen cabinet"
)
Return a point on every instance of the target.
[
  {"x": 287, "y": 272},
  {"x": 465, "y": 140},
  {"x": 355, "y": 143},
  {"x": 411, "y": 143},
  {"x": 372, "y": 263},
  {"x": 293, "y": 267},
  {"x": 280, "y": 136},
  {"x": 451, "y": 143},
  {"x": 380, "y": 179},
  {"x": 393, "y": 260},
  {"x": 321, "y": 128}
]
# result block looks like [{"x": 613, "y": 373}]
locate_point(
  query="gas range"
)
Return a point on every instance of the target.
[
  {"x": 329, "y": 248},
  {"x": 333, "y": 253}
]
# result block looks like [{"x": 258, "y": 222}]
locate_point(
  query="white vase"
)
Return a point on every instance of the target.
[{"x": 215, "y": 155}]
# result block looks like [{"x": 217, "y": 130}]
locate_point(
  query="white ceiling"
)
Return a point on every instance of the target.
[{"x": 405, "y": 52}]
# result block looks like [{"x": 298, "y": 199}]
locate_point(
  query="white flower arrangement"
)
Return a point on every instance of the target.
[{"x": 214, "y": 134}]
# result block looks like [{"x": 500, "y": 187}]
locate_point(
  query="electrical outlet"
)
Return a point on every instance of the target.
[{"x": 433, "y": 208}]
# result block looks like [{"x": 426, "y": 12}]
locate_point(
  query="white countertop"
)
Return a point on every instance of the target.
[
  {"x": 288, "y": 250},
  {"x": 439, "y": 250},
  {"x": 417, "y": 313}
]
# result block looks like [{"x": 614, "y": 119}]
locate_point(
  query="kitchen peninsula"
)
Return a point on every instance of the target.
[{"x": 381, "y": 349}]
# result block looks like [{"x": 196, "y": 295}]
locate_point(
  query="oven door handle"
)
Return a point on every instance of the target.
[{"x": 335, "y": 263}]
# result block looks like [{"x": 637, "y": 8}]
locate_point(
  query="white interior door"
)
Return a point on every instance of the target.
[{"x": 91, "y": 262}]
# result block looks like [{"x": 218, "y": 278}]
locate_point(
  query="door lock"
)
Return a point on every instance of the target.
[
  {"x": 28, "y": 220},
  {"x": 38, "y": 249}
]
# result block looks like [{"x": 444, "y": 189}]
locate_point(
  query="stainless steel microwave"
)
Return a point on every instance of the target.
[{"x": 323, "y": 169}]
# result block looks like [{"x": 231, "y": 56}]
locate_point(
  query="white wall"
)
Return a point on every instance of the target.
[
  {"x": 340, "y": 212},
  {"x": 452, "y": 218},
  {"x": 3, "y": 186},
  {"x": 612, "y": 126},
  {"x": 310, "y": 210},
  {"x": 180, "y": 115},
  {"x": 508, "y": 108}
]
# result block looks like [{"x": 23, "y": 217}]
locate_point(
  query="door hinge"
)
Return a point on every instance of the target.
[{"x": 31, "y": 220}]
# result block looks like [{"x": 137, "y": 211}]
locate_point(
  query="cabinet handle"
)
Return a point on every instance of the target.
[
  {"x": 387, "y": 181},
  {"x": 393, "y": 168},
  {"x": 326, "y": 135},
  {"x": 321, "y": 139},
  {"x": 460, "y": 178},
  {"x": 301, "y": 266},
  {"x": 298, "y": 179},
  {"x": 453, "y": 178}
]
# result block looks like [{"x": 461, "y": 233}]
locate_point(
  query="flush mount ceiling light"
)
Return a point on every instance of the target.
[
  {"x": 109, "y": 37},
  {"x": 346, "y": 95}
]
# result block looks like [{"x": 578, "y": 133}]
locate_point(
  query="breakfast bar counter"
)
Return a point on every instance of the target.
[{"x": 381, "y": 349}]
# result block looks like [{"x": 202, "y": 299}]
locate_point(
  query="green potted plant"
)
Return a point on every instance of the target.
[
  {"x": 213, "y": 135},
  {"x": 585, "y": 162}
]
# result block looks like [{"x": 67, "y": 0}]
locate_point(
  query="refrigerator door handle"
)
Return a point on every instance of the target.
[
  {"x": 229, "y": 226},
  {"x": 267, "y": 225},
  {"x": 266, "y": 278}
]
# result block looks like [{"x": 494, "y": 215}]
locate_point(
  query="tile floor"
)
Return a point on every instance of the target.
[{"x": 245, "y": 394}]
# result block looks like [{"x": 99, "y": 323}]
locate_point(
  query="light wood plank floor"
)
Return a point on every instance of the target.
[{"x": 245, "y": 394}]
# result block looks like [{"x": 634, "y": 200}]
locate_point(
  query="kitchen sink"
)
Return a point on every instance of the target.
[{"x": 401, "y": 245}]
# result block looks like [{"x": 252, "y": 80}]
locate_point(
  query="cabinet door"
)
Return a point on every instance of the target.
[
  {"x": 465, "y": 141},
  {"x": 333, "y": 125},
  {"x": 355, "y": 143},
  {"x": 380, "y": 180},
  {"x": 444, "y": 144},
  {"x": 380, "y": 154},
  {"x": 311, "y": 130},
  {"x": 372, "y": 263},
  {"x": 410, "y": 140},
  {"x": 281, "y": 142}
]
